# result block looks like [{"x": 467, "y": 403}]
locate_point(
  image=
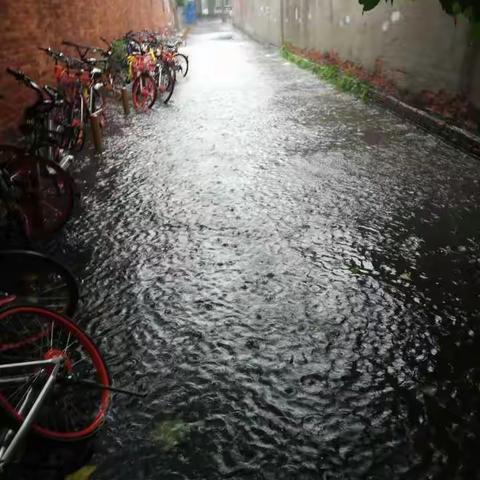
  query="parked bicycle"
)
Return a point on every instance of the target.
[
  {"x": 43, "y": 122},
  {"x": 141, "y": 70},
  {"x": 81, "y": 82},
  {"x": 54, "y": 381},
  {"x": 36, "y": 192},
  {"x": 38, "y": 280},
  {"x": 172, "y": 45}
]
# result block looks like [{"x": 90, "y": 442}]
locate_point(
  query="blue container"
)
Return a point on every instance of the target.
[{"x": 190, "y": 13}]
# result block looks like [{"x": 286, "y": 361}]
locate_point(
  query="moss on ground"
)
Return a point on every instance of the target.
[{"x": 331, "y": 74}]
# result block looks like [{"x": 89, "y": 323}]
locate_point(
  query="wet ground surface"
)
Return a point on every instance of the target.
[{"x": 292, "y": 275}]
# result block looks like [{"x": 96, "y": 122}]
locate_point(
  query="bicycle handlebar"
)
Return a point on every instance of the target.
[
  {"x": 19, "y": 75},
  {"x": 27, "y": 81},
  {"x": 87, "y": 48},
  {"x": 71, "y": 62},
  {"x": 106, "y": 42},
  {"x": 56, "y": 55}
]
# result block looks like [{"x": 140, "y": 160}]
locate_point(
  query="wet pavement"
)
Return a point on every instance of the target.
[{"x": 293, "y": 275}]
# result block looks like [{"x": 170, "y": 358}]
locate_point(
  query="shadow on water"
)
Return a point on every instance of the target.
[
  {"x": 432, "y": 261},
  {"x": 43, "y": 460}
]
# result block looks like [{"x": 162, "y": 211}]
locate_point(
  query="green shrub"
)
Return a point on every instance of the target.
[{"x": 331, "y": 74}]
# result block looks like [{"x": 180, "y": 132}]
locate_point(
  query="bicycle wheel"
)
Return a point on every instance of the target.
[
  {"x": 76, "y": 129},
  {"x": 166, "y": 85},
  {"x": 144, "y": 92},
  {"x": 61, "y": 122},
  {"x": 41, "y": 190},
  {"x": 47, "y": 149},
  {"x": 37, "y": 280},
  {"x": 49, "y": 136},
  {"x": 73, "y": 410},
  {"x": 182, "y": 64}
]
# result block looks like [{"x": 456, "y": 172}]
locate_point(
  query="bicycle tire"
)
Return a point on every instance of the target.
[
  {"x": 140, "y": 100},
  {"x": 166, "y": 88},
  {"x": 41, "y": 150},
  {"x": 38, "y": 280},
  {"x": 42, "y": 212},
  {"x": 185, "y": 58},
  {"x": 76, "y": 128},
  {"x": 48, "y": 423}
]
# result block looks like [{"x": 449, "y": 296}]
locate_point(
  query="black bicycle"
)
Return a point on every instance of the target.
[
  {"x": 44, "y": 123},
  {"x": 37, "y": 280}
]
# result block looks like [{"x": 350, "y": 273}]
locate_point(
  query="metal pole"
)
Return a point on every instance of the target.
[
  {"x": 125, "y": 101},
  {"x": 282, "y": 22},
  {"x": 96, "y": 133}
]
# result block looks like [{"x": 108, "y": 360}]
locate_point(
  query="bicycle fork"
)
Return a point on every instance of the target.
[
  {"x": 51, "y": 131},
  {"x": 13, "y": 439}
]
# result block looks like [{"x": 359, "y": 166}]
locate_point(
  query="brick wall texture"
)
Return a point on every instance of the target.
[{"x": 27, "y": 24}]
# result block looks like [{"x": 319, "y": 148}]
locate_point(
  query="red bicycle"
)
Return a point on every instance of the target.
[
  {"x": 141, "y": 69},
  {"x": 165, "y": 74},
  {"x": 81, "y": 82}
]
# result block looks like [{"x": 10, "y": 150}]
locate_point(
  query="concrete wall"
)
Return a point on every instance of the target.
[
  {"x": 420, "y": 46},
  {"x": 262, "y": 20},
  {"x": 30, "y": 23}
]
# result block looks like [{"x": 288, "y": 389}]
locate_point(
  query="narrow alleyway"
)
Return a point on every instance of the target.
[{"x": 291, "y": 274}]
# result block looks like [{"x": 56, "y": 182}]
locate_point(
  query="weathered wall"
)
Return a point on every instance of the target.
[
  {"x": 262, "y": 20},
  {"x": 30, "y": 23},
  {"x": 420, "y": 46}
]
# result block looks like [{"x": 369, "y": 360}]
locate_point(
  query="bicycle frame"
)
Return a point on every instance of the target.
[
  {"x": 12, "y": 439},
  {"x": 8, "y": 197},
  {"x": 85, "y": 94}
]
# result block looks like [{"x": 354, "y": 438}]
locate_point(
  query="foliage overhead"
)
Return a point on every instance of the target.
[{"x": 468, "y": 8}]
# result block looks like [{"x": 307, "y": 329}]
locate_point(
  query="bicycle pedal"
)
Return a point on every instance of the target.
[{"x": 65, "y": 160}]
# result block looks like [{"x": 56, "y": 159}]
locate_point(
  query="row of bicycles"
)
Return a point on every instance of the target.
[
  {"x": 35, "y": 189},
  {"x": 54, "y": 382}
]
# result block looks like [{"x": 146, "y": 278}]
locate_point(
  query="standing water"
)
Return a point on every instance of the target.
[{"x": 291, "y": 274}]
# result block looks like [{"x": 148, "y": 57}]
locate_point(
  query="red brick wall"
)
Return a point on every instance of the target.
[{"x": 27, "y": 24}]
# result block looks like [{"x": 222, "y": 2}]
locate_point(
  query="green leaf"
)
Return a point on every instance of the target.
[
  {"x": 406, "y": 276},
  {"x": 476, "y": 29},
  {"x": 369, "y": 4},
  {"x": 468, "y": 8},
  {"x": 85, "y": 473},
  {"x": 457, "y": 8},
  {"x": 447, "y": 5},
  {"x": 355, "y": 269},
  {"x": 170, "y": 433}
]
